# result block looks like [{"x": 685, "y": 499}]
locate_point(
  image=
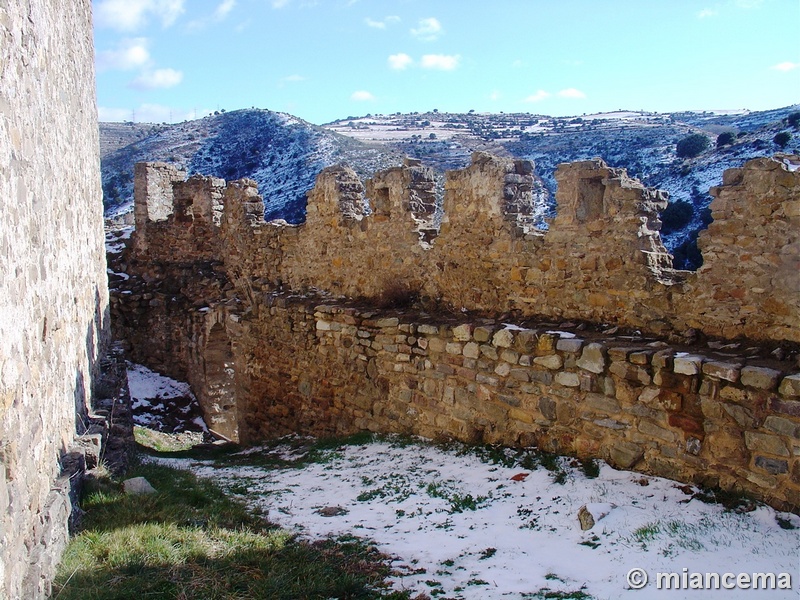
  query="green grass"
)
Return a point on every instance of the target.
[{"x": 190, "y": 540}]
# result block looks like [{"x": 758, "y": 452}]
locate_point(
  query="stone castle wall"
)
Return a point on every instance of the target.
[
  {"x": 53, "y": 289},
  {"x": 601, "y": 260},
  {"x": 247, "y": 311}
]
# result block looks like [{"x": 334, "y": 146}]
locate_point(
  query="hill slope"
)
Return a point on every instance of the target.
[
  {"x": 280, "y": 152},
  {"x": 284, "y": 154}
]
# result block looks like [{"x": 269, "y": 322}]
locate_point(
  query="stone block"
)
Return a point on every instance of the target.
[
  {"x": 567, "y": 379},
  {"x": 471, "y": 350},
  {"x": 790, "y": 385},
  {"x": 651, "y": 429},
  {"x": 436, "y": 345},
  {"x": 509, "y": 356},
  {"x": 722, "y": 370},
  {"x": 526, "y": 341},
  {"x": 610, "y": 424},
  {"x": 503, "y": 369},
  {"x": 593, "y": 358},
  {"x": 743, "y": 416},
  {"x": 547, "y": 407},
  {"x": 768, "y": 444},
  {"x": 387, "y": 322},
  {"x": 519, "y": 374},
  {"x": 782, "y": 426},
  {"x": 640, "y": 357},
  {"x": 771, "y": 465},
  {"x": 630, "y": 372},
  {"x": 625, "y": 454},
  {"x": 482, "y": 334},
  {"x": 619, "y": 354},
  {"x": 463, "y": 333},
  {"x": 785, "y": 407},
  {"x": 601, "y": 403},
  {"x": 570, "y": 345},
  {"x": 503, "y": 339},
  {"x": 688, "y": 364},
  {"x": 552, "y": 361},
  {"x": 489, "y": 352},
  {"x": 546, "y": 343},
  {"x": 488, "y": 380},
  {"x": 760, "y": 378},
  {"x": 662, "y": 359},
  {"x": 453, "y": 348},
  {"x": 138, "y": 485}
]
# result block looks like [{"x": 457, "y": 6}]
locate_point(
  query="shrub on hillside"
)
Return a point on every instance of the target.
[
  {"x": 676, "y": 216},
  {"x": 691, "y": 145},
  {"x": 725, "y": 138},
  {"x": 782, "y": 138},
  {"x": 793, "y": 119}
]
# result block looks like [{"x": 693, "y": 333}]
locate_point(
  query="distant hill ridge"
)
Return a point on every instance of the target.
[{"x": 284, "y": 153}]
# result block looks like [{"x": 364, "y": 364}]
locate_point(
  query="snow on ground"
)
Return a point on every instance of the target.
[
  {"x": 161, "y": 403},
  {"x": 463, "y": 527},
  {"x": 116, "y": 239}
]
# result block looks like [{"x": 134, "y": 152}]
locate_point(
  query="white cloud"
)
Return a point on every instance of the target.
[
  {"x": 362, "y": 96},
  {"x": 707, "y": 12},
  {"x": 223, "y": 9},
  {"x": 220, "y": 14},
  {"x": 150, "y": 113},
  {"x": 495, "y": 95},
  {"x": 381, "y": 24},
  {"x": 158, "y": 79},
  {"x": 279, "y": 3},
  {"x": 440, "y": 62},
  {"x": 427, "y": 29},
  {"x": 785, "y": 66},
  {"x": 129, "y": 15},
  {"x": 571, "y": 93},
  {"x": 130, "y": 53},
  {"x": 293, "y": 78},
  {"x": 400, "y": 61},
  {"x": 538, "y": 96},
  {"x": 747, "y": 4}
]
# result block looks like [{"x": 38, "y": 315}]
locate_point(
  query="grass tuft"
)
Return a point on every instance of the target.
[{"x": 190, "y": 540}]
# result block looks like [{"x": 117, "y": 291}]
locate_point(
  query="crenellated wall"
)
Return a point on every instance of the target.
[{"x": 620, "y": 383}]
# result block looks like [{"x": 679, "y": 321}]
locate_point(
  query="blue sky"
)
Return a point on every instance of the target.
[{"x": 321, "y": 60}]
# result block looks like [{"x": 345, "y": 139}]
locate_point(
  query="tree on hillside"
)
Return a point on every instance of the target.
[
  {"x": 782, "y": 138},
  {"x": 691, "y": 145},
  {"x": 725, "y": 138},
  {"x": 794, "y": 119}
]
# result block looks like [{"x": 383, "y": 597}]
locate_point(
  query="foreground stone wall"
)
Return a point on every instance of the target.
[
  {"x": 252, "y": 315},
  {"x": 53, "y": 289}
]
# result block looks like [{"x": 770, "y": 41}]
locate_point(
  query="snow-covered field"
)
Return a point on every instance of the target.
[
  {"x": 491, "y": 523},
  {"x": 462, "y": 526}
]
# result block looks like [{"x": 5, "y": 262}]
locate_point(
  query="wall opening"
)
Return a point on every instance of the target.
[
  {"x": 218, "y": 397},
  {"x": 590, "y": 199}
]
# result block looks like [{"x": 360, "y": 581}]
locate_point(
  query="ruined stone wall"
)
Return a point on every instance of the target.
[
  {"x": 601, "y": 259},
  {"x": 251, "y": 314},
  {"x": 53, "y": 290}
]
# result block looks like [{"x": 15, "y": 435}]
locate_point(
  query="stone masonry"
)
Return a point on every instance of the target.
[
  {"x": 53, "y": 288},
  {"x": 253, "y": 315}
]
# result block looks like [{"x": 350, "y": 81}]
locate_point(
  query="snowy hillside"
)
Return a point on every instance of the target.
[
  {"x": 284, "y": 154},
  {"x": 281, "y": 153}
]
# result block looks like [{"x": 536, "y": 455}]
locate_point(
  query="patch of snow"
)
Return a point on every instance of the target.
[
  {"x": 474, "y": 530},
  {"x": 564, "y": 335},
  {"x": 512, "y": 327}
]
